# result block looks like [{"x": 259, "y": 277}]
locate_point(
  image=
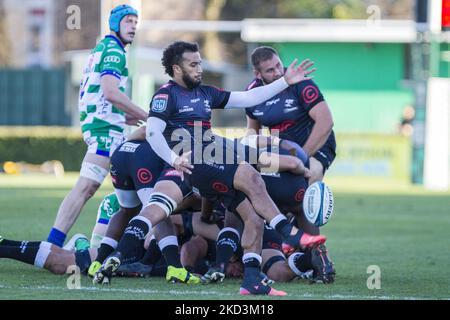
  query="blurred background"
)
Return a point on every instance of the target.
[{"x": 383, "y": 67}]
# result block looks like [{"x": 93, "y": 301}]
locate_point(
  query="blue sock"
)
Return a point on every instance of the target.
[{"x": 56, "y": 237}]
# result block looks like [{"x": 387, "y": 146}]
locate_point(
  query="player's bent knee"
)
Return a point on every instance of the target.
[
  {"x": 93, "y": 172},
  {"x": 253, "y": 181},
  {"x": 166, "y": 203},
  {"x": 276, "y": 269}
]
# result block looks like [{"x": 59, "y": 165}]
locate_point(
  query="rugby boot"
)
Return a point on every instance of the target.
[
  {"x": 323, "y": 268},
  {"x": 214, "y": 274},
  {"x": 72, "y": 243},
  {"x": 105, "y": 273},
  {"x": 305, "y": 241},
  {"x": 135, "y": 269},
  {"x": 256, "y": 283},
  {"x": 93, "y": 268},
  {"x": 175, "y": 275}
]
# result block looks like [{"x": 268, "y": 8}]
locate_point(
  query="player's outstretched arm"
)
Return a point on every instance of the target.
[{"x": 293, "y": 75}]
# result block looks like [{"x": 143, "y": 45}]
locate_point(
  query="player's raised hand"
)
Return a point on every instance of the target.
[
  {"x": 295, "y": 74},
  {"x": 182, "y": 163}
]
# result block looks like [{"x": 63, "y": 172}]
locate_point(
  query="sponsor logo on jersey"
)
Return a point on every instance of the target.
[
  {"x": 144, "y": 175},
  {"x": 271, "y": 102},
  {"x": 129, "y": 147},
  {"x": 219, "y": 187},
  {"x": 287, "y": 110},
  {"x": 195, "y": 100},
  {"x": 186, "y": 109},
  {"x": 213, "y": 164},
  {"x": 283, "y": 126},
  {"x": 115, "y": 50},
  {"x": 107, "y": 207},
  {"x": 299, "y": 195},
  {"x": 195, "y": 190},
  {"x": 271, "y": 174},
  {"x": 159, "y": 103},
  {"x": 173, "y": 173},
  {"x": 310, "y": 94},
  {"x": 288, "y": 103},
  {"x": 113, "y": 59}
]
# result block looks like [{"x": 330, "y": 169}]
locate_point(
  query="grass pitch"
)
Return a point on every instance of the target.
[{"x": 402, "y": 230}]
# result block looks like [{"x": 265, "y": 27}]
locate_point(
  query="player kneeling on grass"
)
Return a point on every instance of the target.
[
  {"x": 77, "y": 252},
  {"x": 45, "y": 255}
]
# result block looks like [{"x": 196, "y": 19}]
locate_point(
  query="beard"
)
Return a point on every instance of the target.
[
  {"x": 267, "y": 81},
  {"x": 190, "y": 82}
]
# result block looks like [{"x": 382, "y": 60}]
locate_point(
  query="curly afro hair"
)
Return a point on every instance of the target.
[{"x": 173, "y": 54}]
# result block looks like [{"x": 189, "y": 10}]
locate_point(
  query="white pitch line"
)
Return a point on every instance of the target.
[
  {"x": 190, "y": 292},
  {"x": 125, "y": 290}
]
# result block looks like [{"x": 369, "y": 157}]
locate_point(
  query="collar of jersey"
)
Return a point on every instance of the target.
[
  {"x": 117, "y": 40},
  {"x": 180, "y": 86}
]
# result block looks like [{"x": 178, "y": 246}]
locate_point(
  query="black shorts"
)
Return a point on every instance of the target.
[
  {"x": 213, "y": 178},
  {"x": 135, "y": 166},
  {"x": 169, "y": 173},
  {"x": 327, "y": 153},
  {"x": 285, "y": 189}
]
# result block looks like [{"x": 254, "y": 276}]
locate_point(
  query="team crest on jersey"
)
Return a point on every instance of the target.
[{"x": 159, "y": 103}]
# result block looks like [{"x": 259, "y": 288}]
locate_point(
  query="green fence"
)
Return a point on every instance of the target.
[{"x": 33, "y": 97}]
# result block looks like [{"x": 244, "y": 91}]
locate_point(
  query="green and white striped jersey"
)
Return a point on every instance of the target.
[{"x": 97, "y": 114}]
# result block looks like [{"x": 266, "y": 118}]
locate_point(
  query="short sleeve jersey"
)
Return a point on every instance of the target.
[
  {"x": 288, "y": 111},
  {"x": 96, "y": 113}
]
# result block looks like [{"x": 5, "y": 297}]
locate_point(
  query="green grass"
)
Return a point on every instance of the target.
[{"x": 402, "y": 229}]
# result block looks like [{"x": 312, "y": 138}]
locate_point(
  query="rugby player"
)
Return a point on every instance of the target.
[
  {"x": 104, "y": 110},
  {"x": 135, "y": 168},
  {"x": 185, "y": 104},
  {"x": 299, "y": 113},
  {"x": 45, "y": 255}
]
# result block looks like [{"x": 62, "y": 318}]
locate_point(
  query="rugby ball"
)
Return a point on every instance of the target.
[{"x": 318, "y": 203}]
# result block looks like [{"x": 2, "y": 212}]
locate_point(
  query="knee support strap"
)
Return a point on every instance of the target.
[
  {"x": 163, "y": 201},
  {"x": 93, "y": 172}
]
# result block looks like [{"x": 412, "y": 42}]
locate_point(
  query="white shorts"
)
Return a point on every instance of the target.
[{"x": 101, "y": 143}]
